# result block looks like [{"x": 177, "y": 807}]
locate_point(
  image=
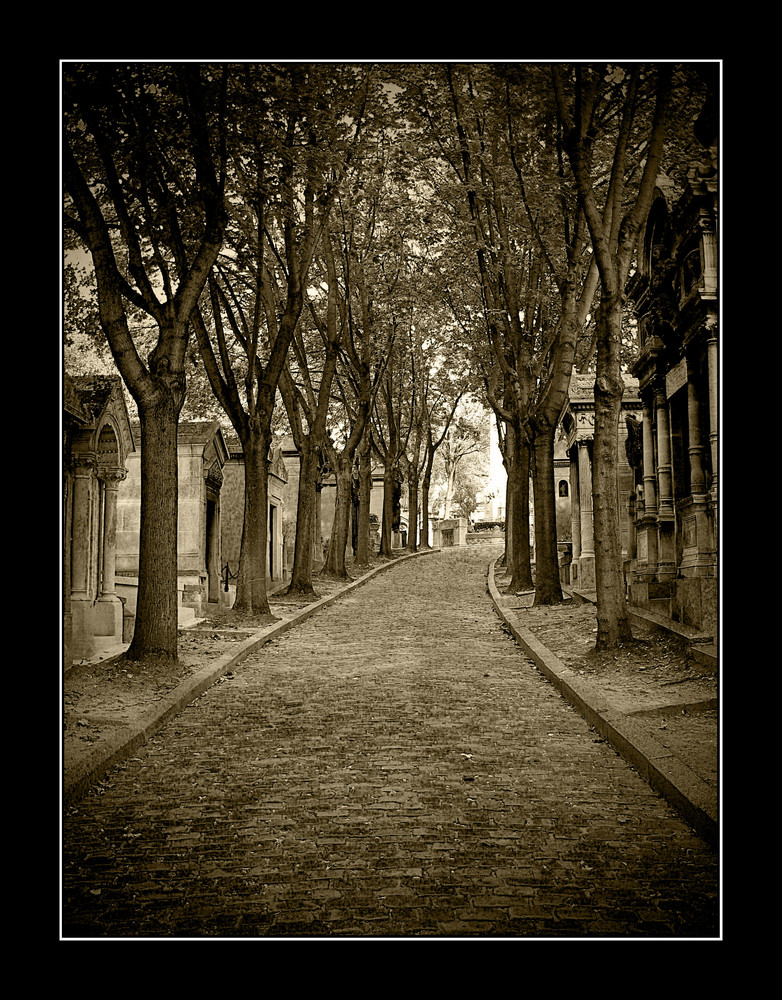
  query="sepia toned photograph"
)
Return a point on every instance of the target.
[{"x": 390, "y": 531}]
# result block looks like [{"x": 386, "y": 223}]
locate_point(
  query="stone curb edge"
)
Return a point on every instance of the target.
[
  {"x": 676, "y": 782},
  {"x": 115, "y": 749}
]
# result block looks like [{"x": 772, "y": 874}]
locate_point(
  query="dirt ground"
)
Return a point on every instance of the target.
[{"x": 653, "y": 679}]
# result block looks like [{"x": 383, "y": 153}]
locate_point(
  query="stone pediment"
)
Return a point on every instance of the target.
[
  {"x": 577, "y": 419},
  {"x": 277, "y": 465},
  {"x": 72, "y": 403},
  {"x": 102, "y": 404},
  {"x": 216, "y": 449}
]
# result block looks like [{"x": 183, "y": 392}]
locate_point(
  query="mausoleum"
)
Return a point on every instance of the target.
[
  {"x": 674, "y": 568},
  {"x": 201, "y": 457},
  {"x": 97, "y": 447},
  {"x": 577, "y": 422},
  {"x": 232, "y": 509},
  {"x": 449, "y": 531}
]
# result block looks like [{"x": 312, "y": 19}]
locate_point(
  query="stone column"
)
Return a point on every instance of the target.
[
  {"x": 575, "y": 508},
  {"x": 585, "y": 499},
  {"x": 317, "y": 530},
  {"x": 632, "y": 540},
  {"x": 82, "y": 557},
  {"x": 699, "y": 555},
  {"x": 697, "y": 477},
  {"x": 646, "y": 537},
  {"x": 111, "y": 479},
  {"x": 713, "y": 358},
  {"x": 108, "y": 608},
  {"x": 666, "y": 516},
  {"x": 709, "y": 248},
  {"x": 649, "y": 477},
  {"x": 664, "y": 471},
  {"x": 586, "y": 562},
  {"x": 81, "y": 528}
]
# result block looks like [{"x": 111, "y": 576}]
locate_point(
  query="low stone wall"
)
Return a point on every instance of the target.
[{"x": 485, "y": 536}]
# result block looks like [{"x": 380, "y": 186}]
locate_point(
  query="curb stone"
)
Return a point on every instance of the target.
[
  {"x": 117, "y": 747},
  {"x": 695, "y": 800}
]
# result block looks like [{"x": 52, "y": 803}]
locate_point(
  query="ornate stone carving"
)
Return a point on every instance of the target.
[
  {"x": 214, "y": 477},
  {"x": 112, "y": 476}
]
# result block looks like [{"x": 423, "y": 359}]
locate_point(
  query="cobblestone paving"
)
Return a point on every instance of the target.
[{"x": 394, "y": 766}]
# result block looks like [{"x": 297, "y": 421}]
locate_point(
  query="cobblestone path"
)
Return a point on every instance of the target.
[{"x": 394, "y": 766}]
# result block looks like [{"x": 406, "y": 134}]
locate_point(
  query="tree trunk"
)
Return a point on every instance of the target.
[
  {"x": 518, "y": 516},
  {"x": 335, "y": 561},
  {"x": 450, "y": 482},
  {"x": 251, "y": 597},
  {"x": 365, "y": 496},
  {"x": 548, "y": 589},
  {"x": 507, "y": 551},
  {"x": 386, "y": 541},
  {"x": 301, "y": 573},
  {"x": 155, "y": 633},
  {"x": 425, "y": 513},
  {"x": 412, "y": 510},
  {"x": 613, "y": 624}
]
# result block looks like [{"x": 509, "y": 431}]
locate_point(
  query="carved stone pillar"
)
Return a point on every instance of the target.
[
  {"x": 709, "y": 245},
  {"x": 586, "y": 562},
  {"x": 111, "y": 479},
  {"x": 666, "y": 516},
  {"x": 81, "y": 528},
  {"x": 649, "y": 477},
  {"x": 83, "y": 556},
  {"x": 699, "y": 546},
  {"x": 575, "y": 507},
  {"x": 664, "y": 476},
  {"x": 108, "y": 608},
  {"x": 713, "y": 358},
  {"x": 646, "y": 537},
  {"x": 585, "y": 499},
  {"x": 695, "y": 449},
  {"x": 317, "y": 529}
]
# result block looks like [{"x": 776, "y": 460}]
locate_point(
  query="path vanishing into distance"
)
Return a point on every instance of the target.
[{"x": 394, "y": 766}]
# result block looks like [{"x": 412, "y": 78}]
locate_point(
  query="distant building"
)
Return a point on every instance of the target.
[
  {"x": 491, "y": 500},
  {"x": 325, "y": 499}
]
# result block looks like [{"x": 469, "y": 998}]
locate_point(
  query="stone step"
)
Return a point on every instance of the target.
[
  {"x": 659, "y": 606},
  {"x": 686, "y": 632},
  {"x": 707, "y": 655},
  {"x": 185, "y": 615}
]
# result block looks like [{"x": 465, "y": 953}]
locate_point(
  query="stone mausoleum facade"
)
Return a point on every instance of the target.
[
  {"x": 577, "y": 430},
  {"x": 201, "y": 457},
  {"x": 98, "y": 446},
  {"x": 673, "y": 569},
  {"x": 232, "y": 513}
]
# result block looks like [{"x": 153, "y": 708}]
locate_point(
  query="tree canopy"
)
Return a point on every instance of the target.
[{"x": 355, "y": 248}]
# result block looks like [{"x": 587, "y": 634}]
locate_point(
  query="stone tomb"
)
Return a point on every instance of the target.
[
  {"x": 232, "y": 520},
  {"x": 673, "y": 570},
  {"x": 325, "y": 501},
  {"x": 97, "y": 445},
  {"x": 450, "y": 531},
  {"x": 577, "y": 420},
  {"x": 201, "y": 456}
]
